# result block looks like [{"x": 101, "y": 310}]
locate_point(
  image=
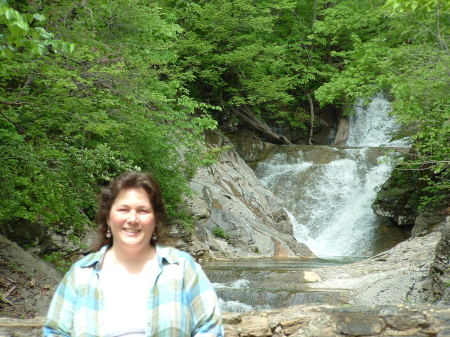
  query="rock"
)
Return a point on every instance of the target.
[
  {"x": 249, "y": 146},
  {"x": 28, "y": 281},
  {"x": 342, "y": 131},
  {"x": 397, "y": 199},
  {"x": 440, "y": 268},
  {"x": 307, "y": 320},
  {"x": 359, "y": 324},
  {"x": 426, "y": 222},
  {"x": 398, "y": 275},
  {"x": 254, "y": 326},
  {"x": 311, "y": 277},
  {"x": 238, "y": 216}
]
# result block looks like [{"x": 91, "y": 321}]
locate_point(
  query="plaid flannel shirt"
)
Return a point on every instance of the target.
[{"x": 182, "y": 302}]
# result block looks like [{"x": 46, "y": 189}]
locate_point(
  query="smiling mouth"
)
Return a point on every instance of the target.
[{"x": 131, "y": 231}]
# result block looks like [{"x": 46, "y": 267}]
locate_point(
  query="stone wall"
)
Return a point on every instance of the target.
[
  {"x": 329, "y": 321},
  {"x": 308, "y": 321}
]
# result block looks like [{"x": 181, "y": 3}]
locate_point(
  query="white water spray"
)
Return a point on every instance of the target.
[
  {"x": 328, "y": 192},
  {"x": 373, "y": 125}
]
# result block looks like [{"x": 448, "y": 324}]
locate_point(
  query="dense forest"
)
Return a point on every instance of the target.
[{"x": 89, "y": 88}]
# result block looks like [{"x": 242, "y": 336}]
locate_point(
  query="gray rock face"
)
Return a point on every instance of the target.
[
  {"x": 413, "y": 272},
  {"x": 237, "y": 216},
  {"x": 440, "y": 268},
  {"x": 248, "y": 145}
]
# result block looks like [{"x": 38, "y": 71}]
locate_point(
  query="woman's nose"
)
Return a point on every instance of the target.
[{"x": 133, "y": 217}]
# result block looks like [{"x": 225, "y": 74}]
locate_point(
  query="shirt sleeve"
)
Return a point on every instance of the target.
[
  {"x": 204, "y": 304},
  {"x": 60, "y": 314}
]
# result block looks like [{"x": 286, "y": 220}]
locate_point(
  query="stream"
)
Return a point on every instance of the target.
[{"x": 328, "y": 193}]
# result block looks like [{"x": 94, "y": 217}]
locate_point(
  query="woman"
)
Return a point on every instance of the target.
[{"x": 130, "y": 285}]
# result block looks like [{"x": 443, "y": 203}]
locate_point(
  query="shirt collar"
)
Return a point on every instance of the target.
[
  {"x": 165, "y": 255},
  {"x": 94, "y": 259}
]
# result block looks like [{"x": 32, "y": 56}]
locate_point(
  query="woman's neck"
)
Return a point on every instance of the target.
[{"x": 132, "y": 260}]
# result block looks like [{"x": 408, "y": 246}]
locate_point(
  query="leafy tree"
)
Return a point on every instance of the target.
[
  {"x": 23, "y": 32},
  {"x": 403, "y": 52},
  {"x": 71, "y": 121}
]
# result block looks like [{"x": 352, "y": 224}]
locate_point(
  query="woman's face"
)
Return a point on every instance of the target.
[{"x": 132, "y": 219}]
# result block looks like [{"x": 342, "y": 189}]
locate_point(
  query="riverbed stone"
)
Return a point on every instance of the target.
[{"x": 359, "y": 324}]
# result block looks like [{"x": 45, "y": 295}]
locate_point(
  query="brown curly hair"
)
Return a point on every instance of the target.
[{"x": 126, "y": 180}]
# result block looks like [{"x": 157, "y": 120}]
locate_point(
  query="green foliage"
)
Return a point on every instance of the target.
[
  {"x": 220, "y": 233},
  {"x": 242, "y": 54},
  {"x": 59, "y": 261},
  {"x": 398, "y": 6},
  {"x": 403, "y": 52},
  {"x": 135, "y": 84},
  {"x": 71, "y": 122},
  {"x": 24, "y": 32}
]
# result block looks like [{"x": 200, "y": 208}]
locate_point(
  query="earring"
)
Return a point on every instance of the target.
[
  {"x": 108, "y": 233},
  {"x": 154, "y": 237}
]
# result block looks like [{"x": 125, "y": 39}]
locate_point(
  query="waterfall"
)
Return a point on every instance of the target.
[
  {"x": 372, "y": 125},
  {"x": 328, "y": 192}
]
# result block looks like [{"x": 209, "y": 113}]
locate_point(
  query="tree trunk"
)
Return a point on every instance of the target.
[
  {"x": 311, "y": 113},
  {"x": 248, "y": 117}
]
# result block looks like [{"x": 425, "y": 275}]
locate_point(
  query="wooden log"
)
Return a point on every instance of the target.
[{"x": 248, "y": 117}]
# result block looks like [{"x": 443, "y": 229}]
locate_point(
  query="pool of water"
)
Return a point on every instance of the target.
[{"x": 256, "y": 284}]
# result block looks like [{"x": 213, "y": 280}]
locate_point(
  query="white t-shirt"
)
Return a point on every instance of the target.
[{"x": 125, "y": 299}]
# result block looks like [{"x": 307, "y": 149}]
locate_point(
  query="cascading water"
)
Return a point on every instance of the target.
[
  {"x": 328, "y": 192},
  {"x": 372, "y": 125}
]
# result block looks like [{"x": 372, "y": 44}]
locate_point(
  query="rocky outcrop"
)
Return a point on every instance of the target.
[
  {"x": 308, "y": 321},
  {"x": 402, "y": 274},
  {"x": 440, "y": 268},
  {"x": 248, "y": 145},
  {"x": 399, "y": 199},
  {"x": 237, "y": 216}
]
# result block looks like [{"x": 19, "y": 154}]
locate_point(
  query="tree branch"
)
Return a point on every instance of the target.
[{"x": 14, "y": 103}]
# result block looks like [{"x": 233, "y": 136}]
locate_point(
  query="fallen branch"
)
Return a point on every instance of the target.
[
  {"x": 5, "y": 300},
  {"x": 247, "y": 116},
  {"x": 10, "y": 291}
]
